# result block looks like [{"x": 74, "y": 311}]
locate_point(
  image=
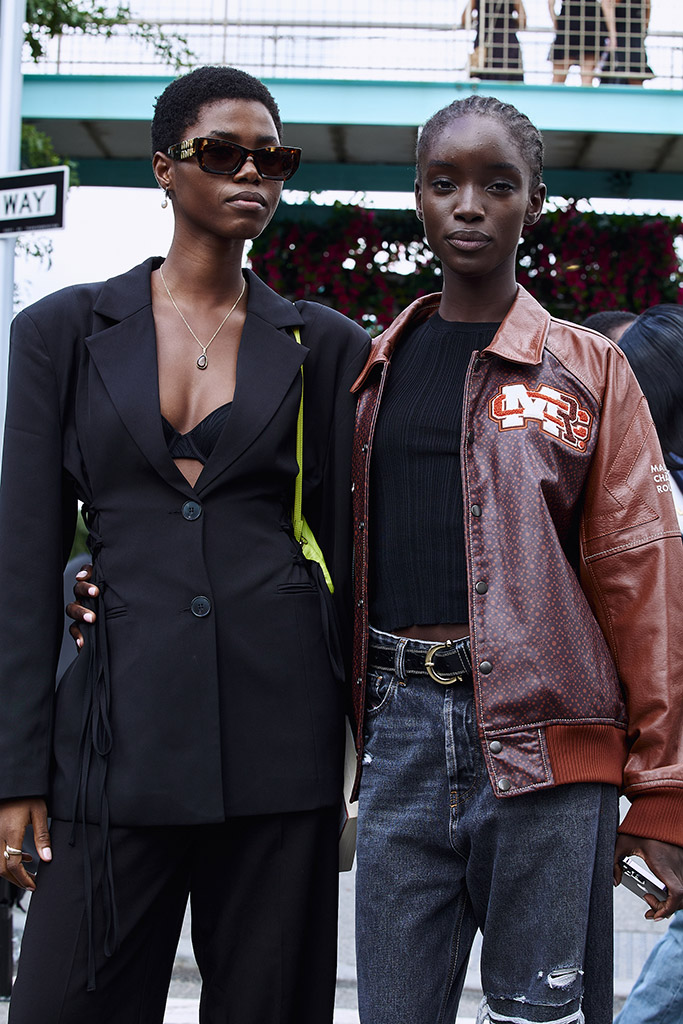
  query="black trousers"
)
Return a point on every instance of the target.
[{"x": 263, "y": 893}]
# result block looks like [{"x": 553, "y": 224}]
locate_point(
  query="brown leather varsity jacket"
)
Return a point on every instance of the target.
[{"x": 575, "y": 564}]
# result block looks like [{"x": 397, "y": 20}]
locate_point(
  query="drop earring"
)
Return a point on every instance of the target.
[{"x": 165, "y": 202}]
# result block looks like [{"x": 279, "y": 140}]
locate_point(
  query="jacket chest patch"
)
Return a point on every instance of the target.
[{"x": 556, "y": 412}]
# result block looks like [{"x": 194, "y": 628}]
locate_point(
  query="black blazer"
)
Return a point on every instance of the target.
[{"x": 207, "y": 688}]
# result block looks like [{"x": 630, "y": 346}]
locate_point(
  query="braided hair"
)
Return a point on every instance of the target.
[{"x": 520, "y": 128}]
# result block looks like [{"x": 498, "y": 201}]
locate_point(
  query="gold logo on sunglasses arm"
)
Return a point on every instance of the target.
[{"x": 187, "y": 148}]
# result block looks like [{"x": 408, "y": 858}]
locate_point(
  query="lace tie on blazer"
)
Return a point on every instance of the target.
[{"x": 94, "y": 748}]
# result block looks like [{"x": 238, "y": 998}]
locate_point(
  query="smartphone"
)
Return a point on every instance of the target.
[{"x": 637, "y": 877}]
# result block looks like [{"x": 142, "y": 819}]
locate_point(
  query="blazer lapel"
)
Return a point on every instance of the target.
[
  {"x": 123, "y": 351},
  {"x": 124, "y": 355},
  {"x": 268, "y": 362}
]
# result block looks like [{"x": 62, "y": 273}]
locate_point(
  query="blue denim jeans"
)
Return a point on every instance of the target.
[
  {"x": 657, "y": 996},
  {"x": 439, "y": 855}
]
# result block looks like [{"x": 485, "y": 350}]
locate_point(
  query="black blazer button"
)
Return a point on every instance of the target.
[
  {"x": 200, "y": 606},
  {"x": 191, "y": 510}
]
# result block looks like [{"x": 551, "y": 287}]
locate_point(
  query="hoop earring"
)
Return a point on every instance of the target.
[{"x": 165, "y": 202}]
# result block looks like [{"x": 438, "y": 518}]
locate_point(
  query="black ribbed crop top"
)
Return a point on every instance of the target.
[{"x": 418, "y": 569}]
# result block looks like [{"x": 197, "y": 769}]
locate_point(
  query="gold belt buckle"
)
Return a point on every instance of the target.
[{"x": 431, "y": 671}]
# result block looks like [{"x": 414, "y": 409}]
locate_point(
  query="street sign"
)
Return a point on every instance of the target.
[{"x": 33, "y": 200}]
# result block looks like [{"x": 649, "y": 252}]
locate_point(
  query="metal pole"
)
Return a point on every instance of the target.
[{"x": 12, "y": 17}]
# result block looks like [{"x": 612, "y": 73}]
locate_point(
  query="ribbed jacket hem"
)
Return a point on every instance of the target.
[{"x": 586, "y": 753}]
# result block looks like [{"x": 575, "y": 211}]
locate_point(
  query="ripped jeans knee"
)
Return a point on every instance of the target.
[{"x": 561, "y": 1004}]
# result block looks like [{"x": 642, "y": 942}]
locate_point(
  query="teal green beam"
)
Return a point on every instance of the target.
[
  {"x": 116, "y": 173},
  {"x": 311, "y": 177},
  {"x": 613, "y": 184},
  {"x": 395, "y": 178},
  {"x": 311, "y": 101},
  {"x": 557, "y": 108},
  {"x": 91, "y": 97}
]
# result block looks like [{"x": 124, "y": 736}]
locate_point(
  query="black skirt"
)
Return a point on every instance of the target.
[
  {"x": 629, "y": 60},
  {"x": 581, "y": 32},
  {"x": 496, "y": 29}
]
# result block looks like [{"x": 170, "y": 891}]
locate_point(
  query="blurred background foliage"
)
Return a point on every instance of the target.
[
  {"x": 47, "y": 19},
  {"x": 370, "y": 264}
]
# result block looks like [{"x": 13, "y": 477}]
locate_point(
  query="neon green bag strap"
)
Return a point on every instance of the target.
[
  {"x": 297, "y": 518},
  {"x": 302, "y": 531}
]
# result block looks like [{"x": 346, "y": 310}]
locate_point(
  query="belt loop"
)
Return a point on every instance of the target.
[
  {"x": 400, "y": 660},
  {"x": 465, "y": 653}
]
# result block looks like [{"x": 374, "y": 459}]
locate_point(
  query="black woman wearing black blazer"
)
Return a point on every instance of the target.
[{"x": 194, "y": 745}]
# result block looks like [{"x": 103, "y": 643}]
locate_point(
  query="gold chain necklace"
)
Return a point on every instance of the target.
[{"x": 203, "y": 359}]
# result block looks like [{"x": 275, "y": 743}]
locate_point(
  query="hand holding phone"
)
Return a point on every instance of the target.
[{"x": 637, "y": 877}]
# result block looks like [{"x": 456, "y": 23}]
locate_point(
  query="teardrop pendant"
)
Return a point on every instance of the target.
[{"x": 203, "y": 361}]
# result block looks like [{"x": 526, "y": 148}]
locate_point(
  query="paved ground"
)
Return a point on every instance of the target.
[{"x": 634, "y": 938}]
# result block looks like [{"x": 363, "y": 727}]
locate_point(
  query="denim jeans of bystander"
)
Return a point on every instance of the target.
[{"x": 657, "y": 996}]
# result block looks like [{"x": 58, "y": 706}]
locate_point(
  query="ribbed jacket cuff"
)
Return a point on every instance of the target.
[{"x": 656, "y": 814}]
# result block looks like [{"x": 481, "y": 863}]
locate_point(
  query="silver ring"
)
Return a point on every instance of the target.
[{"x": 11, "y": 852}]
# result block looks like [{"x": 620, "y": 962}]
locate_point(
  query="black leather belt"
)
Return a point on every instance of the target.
[{"x": 446, "y": 662}]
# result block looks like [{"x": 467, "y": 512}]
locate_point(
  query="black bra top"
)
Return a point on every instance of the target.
[{"x": 199, "y": 442}]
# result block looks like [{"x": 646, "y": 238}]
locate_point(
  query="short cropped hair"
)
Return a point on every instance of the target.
[
  {"x": 180, "y": 103},
  {"x": 520, "y": 128},
  {"x": 610, "y": 322},
  {"x": 653, "y": 345}
]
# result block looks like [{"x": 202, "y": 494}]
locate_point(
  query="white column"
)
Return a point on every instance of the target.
[{"x": 12, "y": 16}]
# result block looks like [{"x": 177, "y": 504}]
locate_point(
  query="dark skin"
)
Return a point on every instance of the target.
[
  {"x": 203, "y": 269},
  {"x": 474, "y": 202},
  {"x": 214, "y": 216},
  {"x": 475, "y": 197}
]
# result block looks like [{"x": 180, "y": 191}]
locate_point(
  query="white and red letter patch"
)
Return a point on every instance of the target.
[{"x": 557, "y": 413}]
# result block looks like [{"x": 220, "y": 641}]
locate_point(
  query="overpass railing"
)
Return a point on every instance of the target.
[{"x": 389, "y": 40}]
